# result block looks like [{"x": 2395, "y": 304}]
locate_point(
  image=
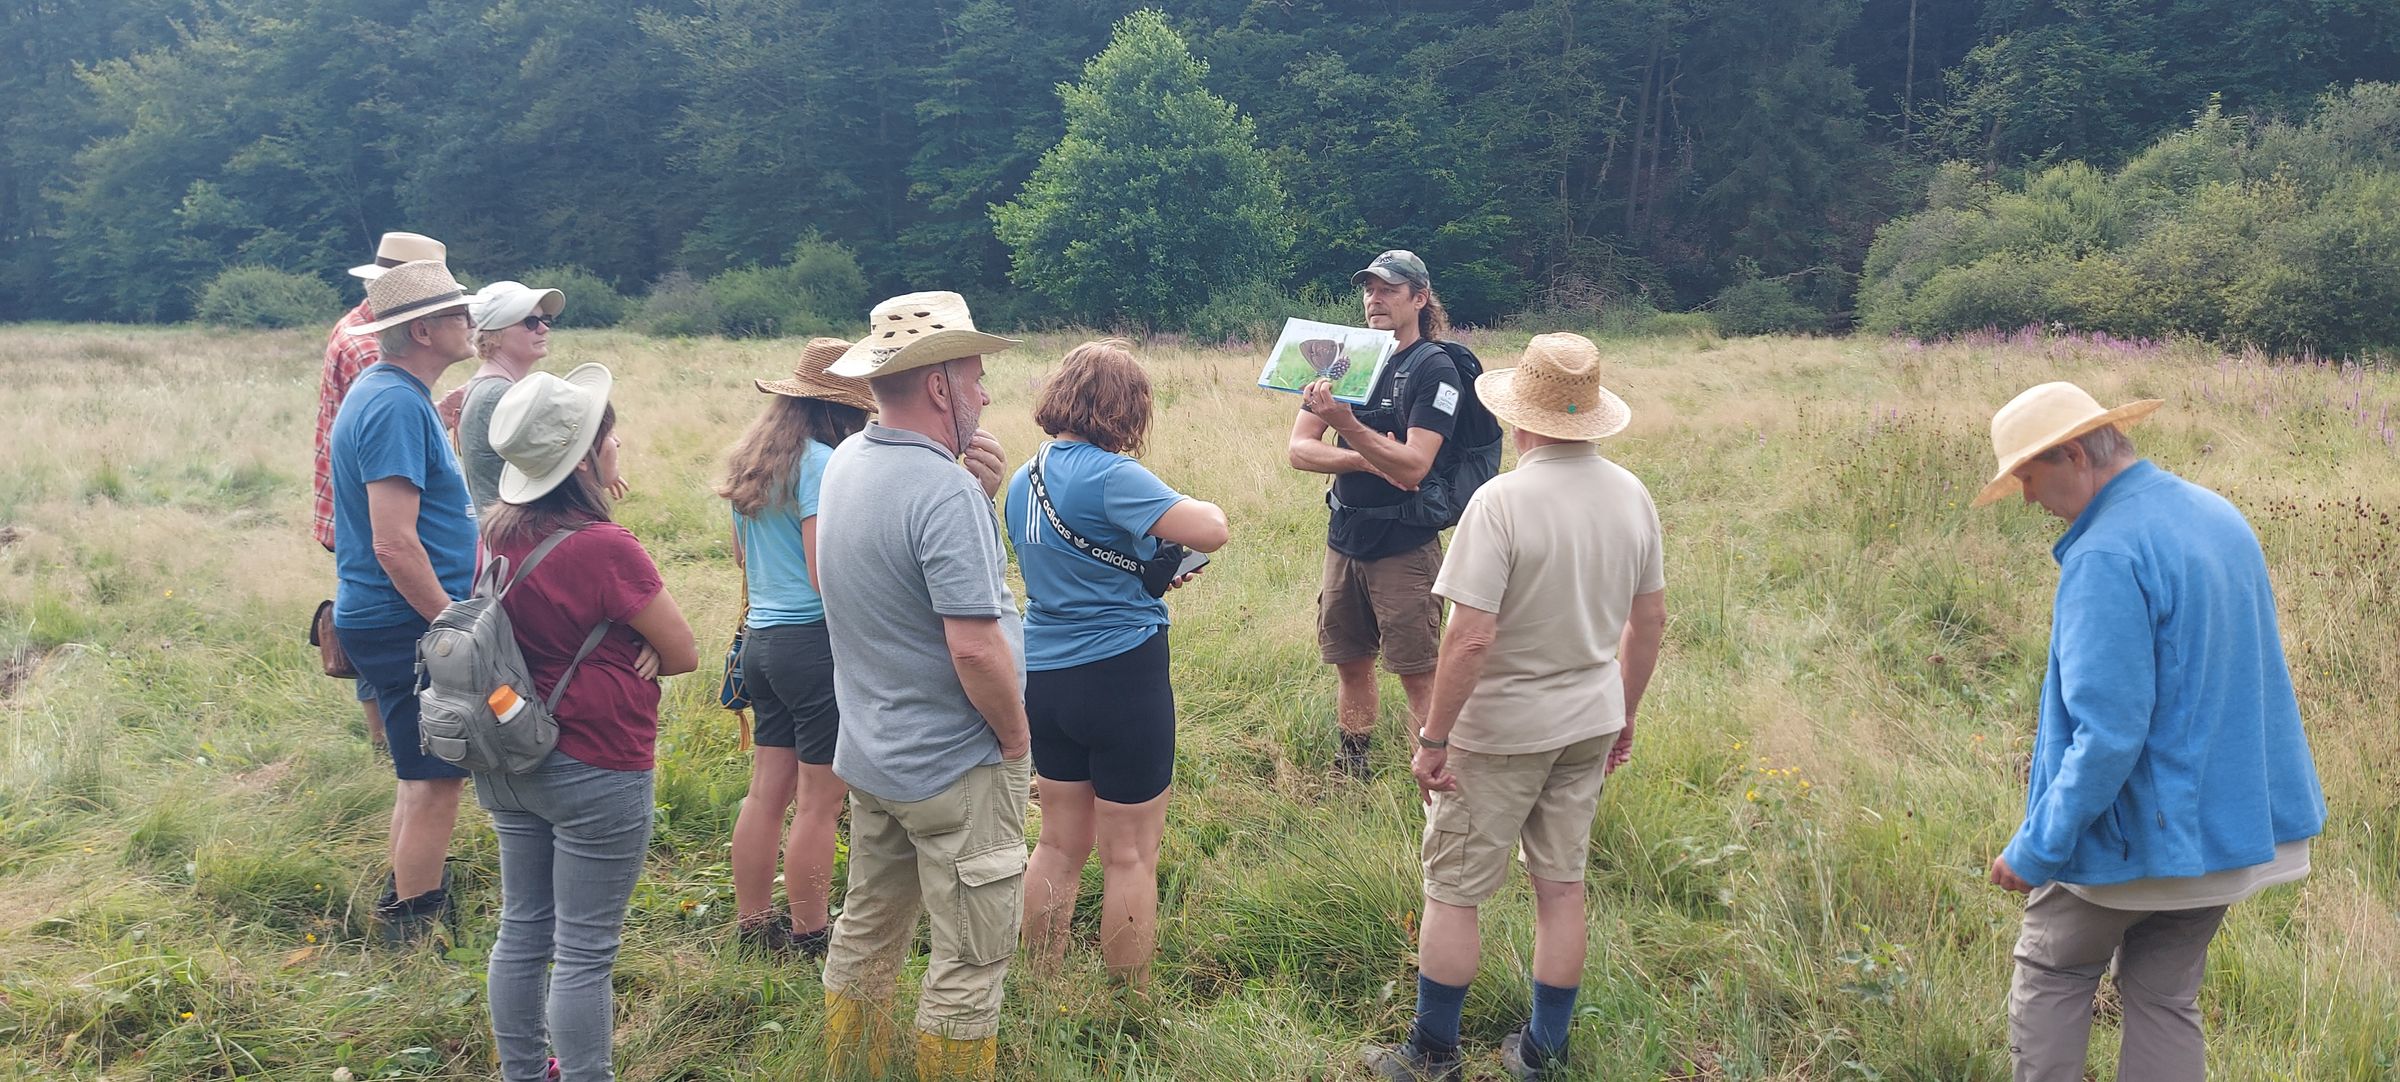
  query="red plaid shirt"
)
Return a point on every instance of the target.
[{"x": 346, "y": 355}]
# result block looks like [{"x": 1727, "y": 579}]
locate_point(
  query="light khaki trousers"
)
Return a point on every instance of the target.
[
  {"x": 2064, "y": 950},
  {"x": 958, "y": 858}
]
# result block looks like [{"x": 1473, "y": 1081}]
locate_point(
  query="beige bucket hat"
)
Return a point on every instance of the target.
[
  {"x": 544, "y": 426},
  {"x": 811, "y": 378},
  {"x": 914, "y": 331},
  {"x": 2042, "y": 418},
  {"x": 411, "y": 291},
  {"x": 1555, "y": 391},
  {"x": 397, "y": 248}
]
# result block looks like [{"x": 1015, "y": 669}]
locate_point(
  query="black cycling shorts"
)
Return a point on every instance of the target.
[{"x": 1110, "y": 722}]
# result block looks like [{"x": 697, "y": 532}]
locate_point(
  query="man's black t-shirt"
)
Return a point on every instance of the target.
[{"x": 1432, "y": 404}]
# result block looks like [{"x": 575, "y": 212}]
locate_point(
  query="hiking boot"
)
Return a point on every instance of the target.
[
  {"x": 1525, "y": 1064},
  {"x": 770, "y": 935},
  {"x": 401, "y": 923},
  {"x": 813, "y": 945},
  {"x": 1351, "y": 758},
  {"x": 1405, "y": 1062}
]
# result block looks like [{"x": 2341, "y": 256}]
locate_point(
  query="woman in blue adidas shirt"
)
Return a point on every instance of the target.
[
  {"x": 1096, "y": 691},
  {"x": 771, "y": 478}
]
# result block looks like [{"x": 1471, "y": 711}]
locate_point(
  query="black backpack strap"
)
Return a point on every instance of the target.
[{"x": 1041, "y": 496}]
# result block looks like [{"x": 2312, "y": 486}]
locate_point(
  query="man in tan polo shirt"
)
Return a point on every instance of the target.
[{"x": 1558, "y": 597}]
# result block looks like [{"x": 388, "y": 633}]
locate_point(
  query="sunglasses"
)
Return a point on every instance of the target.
[{"x": 538, "y": 320}]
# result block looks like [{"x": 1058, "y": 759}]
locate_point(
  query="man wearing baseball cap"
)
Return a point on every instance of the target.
[
  {"x": 1376, "y": 597},
  {"x": 347, "y": 355},
  {"x": 2171, "y": 775}
]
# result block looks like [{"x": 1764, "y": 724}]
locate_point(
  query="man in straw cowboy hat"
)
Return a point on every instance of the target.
[
  {"x": 929, "y": 677},
  {"x": 404, "y": 542},
  {"x": 2170, "y": 776},
  {"x": 1557, "y": 587},
  {"x": 1376, "y": 595},
  {"x": 347, "y": 355}
]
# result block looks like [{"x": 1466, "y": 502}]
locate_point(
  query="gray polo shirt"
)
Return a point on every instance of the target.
[{"x": 906, "y": 537}]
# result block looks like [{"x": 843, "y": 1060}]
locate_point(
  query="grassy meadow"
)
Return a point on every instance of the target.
[{"x": 1787, "y": 883}]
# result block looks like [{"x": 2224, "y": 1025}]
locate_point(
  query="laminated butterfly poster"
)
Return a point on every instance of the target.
[{"x": 1307, "y": 351}]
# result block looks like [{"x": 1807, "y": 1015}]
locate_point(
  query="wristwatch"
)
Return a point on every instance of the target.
[{"x": 1424, "y": 741}]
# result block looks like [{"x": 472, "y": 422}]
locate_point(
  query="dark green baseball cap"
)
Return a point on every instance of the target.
[{"x": 1397, "y": 266}]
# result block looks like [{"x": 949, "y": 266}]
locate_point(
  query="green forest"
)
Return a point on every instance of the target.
[{"x": 2213, "y": 168}]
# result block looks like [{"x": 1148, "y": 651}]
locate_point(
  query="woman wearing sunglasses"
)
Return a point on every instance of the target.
[{"x": 512, "y": 335}]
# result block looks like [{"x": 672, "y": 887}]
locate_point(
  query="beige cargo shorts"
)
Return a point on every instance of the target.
[{"x": 1539, "y": 805}]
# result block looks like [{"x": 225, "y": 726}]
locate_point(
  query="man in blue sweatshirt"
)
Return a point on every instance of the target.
[{"x": 2171, "y": 777}]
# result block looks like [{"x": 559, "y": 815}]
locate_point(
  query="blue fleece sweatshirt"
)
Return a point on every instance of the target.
[{"x": 2170, "y": 742}]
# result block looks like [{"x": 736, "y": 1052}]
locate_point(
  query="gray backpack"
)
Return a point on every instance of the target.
[{"x": 475, "y": 698}]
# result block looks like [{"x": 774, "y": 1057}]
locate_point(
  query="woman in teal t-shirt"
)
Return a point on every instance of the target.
[
  {"x": 1097, "y": 699},
  {"x": 771, "y": 479}
]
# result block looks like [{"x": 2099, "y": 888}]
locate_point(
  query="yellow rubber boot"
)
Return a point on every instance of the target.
[
  {"x": 941, "y": 1059},
  {"x": 858, "y": 1037}
]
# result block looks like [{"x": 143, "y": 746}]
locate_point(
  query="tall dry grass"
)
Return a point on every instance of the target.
[{"x": 1786, "y": 884}]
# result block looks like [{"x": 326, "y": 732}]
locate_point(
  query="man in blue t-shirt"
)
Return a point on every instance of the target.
[
  {"x": 404, "y": 545},
  {"x": 1377, "y": 594}
]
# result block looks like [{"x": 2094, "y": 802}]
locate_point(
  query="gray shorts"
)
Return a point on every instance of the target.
[{"x": 788, "y": 670}]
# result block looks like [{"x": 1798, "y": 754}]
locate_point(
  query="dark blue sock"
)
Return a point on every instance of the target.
[
  {"x": 1438, "y": 1008},
  {"x": 1553, "y": 1012}
]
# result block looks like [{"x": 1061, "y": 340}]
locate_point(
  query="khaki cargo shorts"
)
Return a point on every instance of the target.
[
  {"x": 1539, "y": 805},
  {"x": 1386, "y": 606}
]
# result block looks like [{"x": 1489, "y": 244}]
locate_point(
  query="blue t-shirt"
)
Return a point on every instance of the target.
[
  {"x": 775, "y": 561},
  {"x": 1077, "y": 609},
  {"x": 387, "y": 428}
]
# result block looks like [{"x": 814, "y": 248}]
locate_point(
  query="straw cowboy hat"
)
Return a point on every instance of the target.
[
  {"x": 2042, "y": 418},
  {"x": 544, "y": 426},
  {"x": 409, "y": 291},
  {"x": 397, "y": 248},
  {"x": 914, "y": 331},
  {"x": 811, "y": 380},
  {"x": 499, "y": 304},
  {"x": 1555, "y": 391}
]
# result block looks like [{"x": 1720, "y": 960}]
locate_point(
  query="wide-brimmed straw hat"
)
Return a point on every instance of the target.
[
  {"x": 397, "y": 248},
  {"x": 499, "y": 304},
  {"x": 2042, "y": 418},
  {"x": 1555, "y": 391},
  {"x": 810, "y": 378},
  {"x": 913, "y": 331},
  {"x": 544, "y": 426},
  {"x": 411, "y": 291}
]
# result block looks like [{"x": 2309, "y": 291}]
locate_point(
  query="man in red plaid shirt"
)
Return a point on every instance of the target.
[{"x": 347, "y": 355}]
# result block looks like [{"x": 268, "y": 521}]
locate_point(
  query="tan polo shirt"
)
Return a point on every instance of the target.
[{"x": 1558, "y": 547}]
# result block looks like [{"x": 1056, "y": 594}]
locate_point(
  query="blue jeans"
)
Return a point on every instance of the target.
[{"x": 572, "y": 838}]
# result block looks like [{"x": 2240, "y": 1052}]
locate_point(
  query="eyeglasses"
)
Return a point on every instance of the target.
[{"x": 538, "y": 320}]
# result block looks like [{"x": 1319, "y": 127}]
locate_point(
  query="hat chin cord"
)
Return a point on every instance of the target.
[{"x": 961, "y": 436}]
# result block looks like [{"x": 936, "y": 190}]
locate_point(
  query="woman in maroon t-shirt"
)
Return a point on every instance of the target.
[{"x": 573, "y": 831}]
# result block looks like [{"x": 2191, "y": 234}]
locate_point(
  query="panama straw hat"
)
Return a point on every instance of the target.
[
  {"x": 544, "y": 426},
  {"x": 1555, "y": 391},
  {"x": 499, "y": 304},
  {"x": 397, "y": 248},
  {"x": 411, "y": 291},
  {"x": 2042, "y": 418},
  {"x": 811, "y": 380},
  {"x": 913, "y": 331}
]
